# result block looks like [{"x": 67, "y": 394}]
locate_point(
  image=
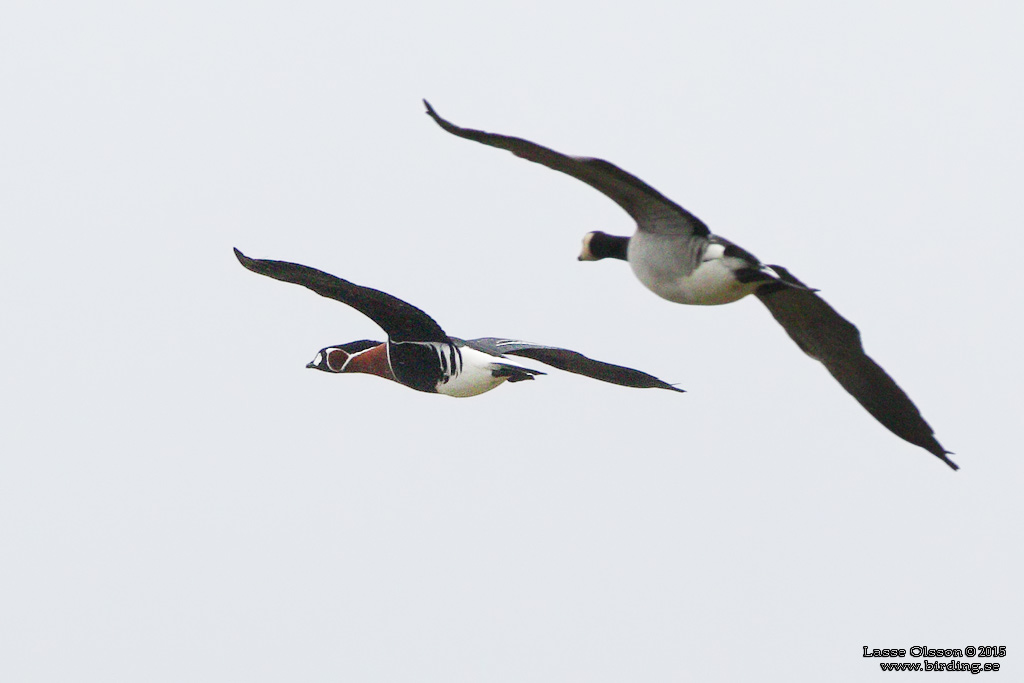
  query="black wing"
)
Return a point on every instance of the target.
[
  {"x": 826, "y": 336},
  {"x": 403, "y": 322},
  {"x": 651, "y": 210},
  {"x": 570, "y": 361}
]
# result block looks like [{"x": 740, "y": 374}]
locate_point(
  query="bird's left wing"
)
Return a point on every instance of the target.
[
  {"x": 651, "y": 210},
  {"x": 401, "y": 320}
]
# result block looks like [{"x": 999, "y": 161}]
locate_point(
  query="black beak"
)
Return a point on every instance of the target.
[{"x": 311, "y": 364}]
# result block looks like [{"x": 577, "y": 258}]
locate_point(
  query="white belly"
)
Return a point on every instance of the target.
[
  {"x": 711, "y": 284},
  {"x": 476, "y": 375}
]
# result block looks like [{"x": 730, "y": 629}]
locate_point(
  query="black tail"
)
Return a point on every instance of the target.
[{"x": 515, "y": 373}]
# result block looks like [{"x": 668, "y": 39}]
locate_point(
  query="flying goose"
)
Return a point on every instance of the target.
[
  {"x": 675, "y": 255},
  {"x": 421, "y": 356}
]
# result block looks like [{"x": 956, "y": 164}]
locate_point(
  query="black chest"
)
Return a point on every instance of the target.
[{"x": 422, "y": 365}]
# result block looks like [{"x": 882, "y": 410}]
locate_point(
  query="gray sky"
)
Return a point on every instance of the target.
[{"x": 181, "y": 500}]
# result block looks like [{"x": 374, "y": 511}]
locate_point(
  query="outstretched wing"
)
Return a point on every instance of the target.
[
  {"x": 826, "y": 336},
  {"x": 652, "y": 211},
  {"x": 570, "y": 361},
  {"x": 402, "y": 321}
]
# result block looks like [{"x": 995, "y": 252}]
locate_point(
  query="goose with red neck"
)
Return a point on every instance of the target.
[{"x": 420, "y": 355}]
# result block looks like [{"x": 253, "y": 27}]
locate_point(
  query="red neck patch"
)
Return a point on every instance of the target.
[{"x": 371, "y": 361}]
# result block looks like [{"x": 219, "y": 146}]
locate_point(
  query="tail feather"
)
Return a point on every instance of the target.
[{"x": 515, "y": 373}]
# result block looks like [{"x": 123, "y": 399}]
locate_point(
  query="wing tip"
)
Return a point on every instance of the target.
[
  {"x": 243, "y": 259},
  {"x": 932, "y": 445},
  {"x": 432, "y": 113},
  {"x": 942, "y": 456}
]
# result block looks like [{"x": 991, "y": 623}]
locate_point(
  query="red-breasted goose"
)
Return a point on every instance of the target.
[
  {"x": 675, "y": 255},
  {"x": 421, "y": 356}
]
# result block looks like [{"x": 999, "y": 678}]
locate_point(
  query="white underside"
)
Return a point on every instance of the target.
[
  {"x": 475, "y": 376},
  {"x": 712, "y": 283}
]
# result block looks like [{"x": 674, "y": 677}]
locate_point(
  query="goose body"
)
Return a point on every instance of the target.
[{"x": 711, "y": 281}]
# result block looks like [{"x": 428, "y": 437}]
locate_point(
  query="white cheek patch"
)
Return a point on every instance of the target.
[
  {"x": 585, "y": 253},
  {"x": 714, "y": 251}
]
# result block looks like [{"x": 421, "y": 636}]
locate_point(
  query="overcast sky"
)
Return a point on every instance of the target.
[{"x": 180, "y": 500}]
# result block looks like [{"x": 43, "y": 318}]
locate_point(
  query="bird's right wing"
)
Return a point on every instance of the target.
[
  {"x": 826, "y": 336},
  {"x": 570, "y": 361},
  {"x": 651, "y": 210},
  {"x": 402, "y": 321}
]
